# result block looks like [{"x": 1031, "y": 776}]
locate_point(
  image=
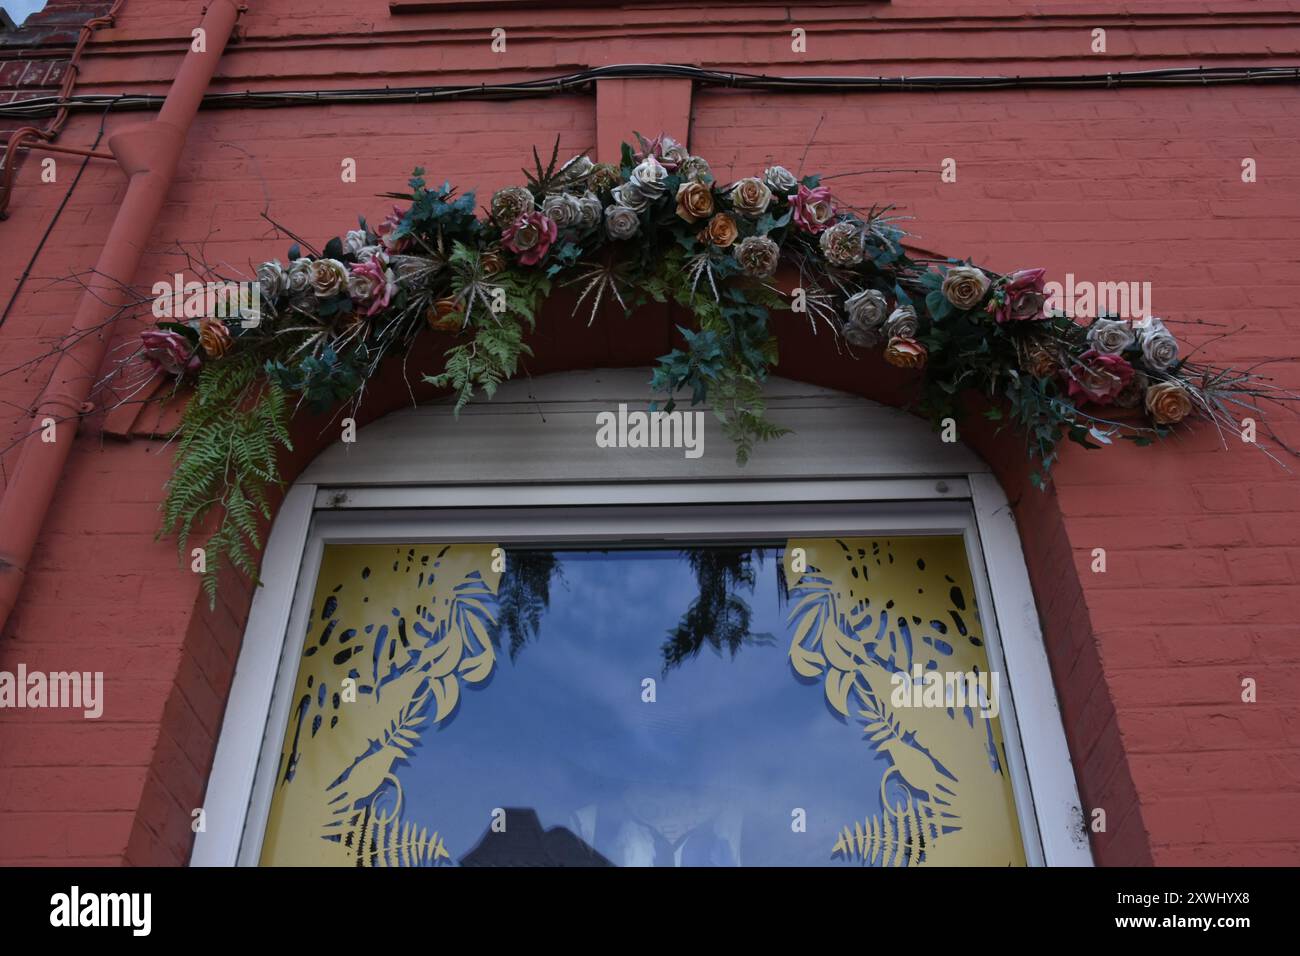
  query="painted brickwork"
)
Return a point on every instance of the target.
[{"x": 1203, "y": 545}]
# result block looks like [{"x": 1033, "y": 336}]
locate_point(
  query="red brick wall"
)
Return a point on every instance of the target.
[
  {"x": 1203, "y": 544},
  {"x": 34, "y": 58}
]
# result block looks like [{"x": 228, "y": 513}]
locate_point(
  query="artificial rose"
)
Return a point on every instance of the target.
[
  {"x": 530, "y": 237},
  {"x": 445, "y": 315},
  {"x": 299, "y": 277},
  {"x": 378, "y": 286},
  {"x": 812, "y": 209},
  {"x": 672, "y": 153},
  {"x": 780, "y": 180},
  {"x": 355, "y": 241},
  {"x": 1168, "y": 403},
  {"x": 694, "y": 201},
  {"x": 1110, "y": 336},
  {"x": 901, "y": 324},
  {"x": 214, "y": 336},
  {"x": 604, "y": 176},
  {"x": 366, "y": 253},
  {"x": 695, "y": 167},
  {"x": 563, "y": 209},
  {"x": 621, "y": 222},
  {"x": 1159, "y": 347},
  {"x": 668, "y": 151},
  {"x": 387, "y": 231},
  {"x": 862, "y": 338},
  {"x": 649, "y": 178},
  {"x": 170, "y": 352},
  {"x": 1131, "y": 395},
  {"x": 965, "y": 286},
  {"x": 576, "y": 170},
  {"x": 720, "y": 231},
  {"x": 750, "y": 197},
  {"x": 491, "y": 262},
  {"x": 272, "y": 279},
  {"x": 867, "y": 309},
  {"x": 628, "y": 195},
  {"x": 510, "y": 203},
  {"x": 590, "y": 211},
  {"x": 1040, "y": 360},
  {"x": 758, "y": 256},
  {"x": 1099, "y": 378},
  {"x": 842, "y": 244},
  {"x": 1022, "y": 296},
  {"x": 329, "y": 277},
  {"x": 905, "y": 353}
]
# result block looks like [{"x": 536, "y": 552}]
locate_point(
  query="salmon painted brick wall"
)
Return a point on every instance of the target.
[{"x": 1203, "y": 544}]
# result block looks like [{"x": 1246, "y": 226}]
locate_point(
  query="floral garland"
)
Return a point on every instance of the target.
[{"x": 657, "y": 226}]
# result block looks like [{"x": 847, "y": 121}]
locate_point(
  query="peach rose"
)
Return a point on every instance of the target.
[
  {"x": 1168, "y": 403},
  {"x": 445, "y": 315},
  {"x": 721, "y": 231},
  {"x": 694, "y": 201},
  {"x": 905, "y": 353},
  {"x": 214, "y": 336}
]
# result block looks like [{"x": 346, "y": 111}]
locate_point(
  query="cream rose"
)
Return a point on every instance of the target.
[
  {"x": 649, "y": 178},
  {"x": 1110, "y": 336},
  {"x": 354, "y": 241},
  {"x": 272, "y": 279},
  {"x": 1159, "y": 347},
  {"x": 628, "y": 195},
  {"x": 750, "y": 197},
  {"x": 780, "y": 180},
  {"x": 621, "y": 222},
  {"x": 563, "y": 209},
  {"x": 902, "y": 323},
  {"x": 965, "y": 286},
  {"x": 299, "y": 276},
  {"x": 329, "y": 277}
]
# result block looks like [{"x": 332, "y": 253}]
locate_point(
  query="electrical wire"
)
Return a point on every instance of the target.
[
  {"x": 580, "y": 81},
  {"x": 22, "y": 279}
]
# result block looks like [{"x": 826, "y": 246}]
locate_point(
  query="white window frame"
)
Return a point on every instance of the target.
[{"x": 973, "y": 505}]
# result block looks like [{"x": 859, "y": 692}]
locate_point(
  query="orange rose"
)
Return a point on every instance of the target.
[
  {"x": 214, "y": 336},
  {"x": 905, "y": 353},
  {"x": 721, "y": 231},
  {"x": 492, "y": 262},
  {"x": 694, "y": 201},
  {"x": 445, "y": 316},
  {"x": 1168, "y": 403},
  {"x": 1040, "y": 361}
]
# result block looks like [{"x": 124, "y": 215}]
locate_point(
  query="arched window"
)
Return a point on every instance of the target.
[{"x": 502, "y": 641}]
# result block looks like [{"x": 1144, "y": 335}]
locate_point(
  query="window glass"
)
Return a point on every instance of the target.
[{"x": 810, "y": 702}]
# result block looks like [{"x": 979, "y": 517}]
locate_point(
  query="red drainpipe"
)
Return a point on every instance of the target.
[{"x": 148, "y": 153}]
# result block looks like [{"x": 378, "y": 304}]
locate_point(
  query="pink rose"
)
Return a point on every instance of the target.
[
  {"x": 1099, "y": 377},
  {"x": 1022, "y": 298},
  {"x": 170, "y": 351},
  {"x": 386, "y": 229},
  {"x": 376, "y": 284},
  {"x": 812, "y": 208},
  {"x": 530, "y": 236}
]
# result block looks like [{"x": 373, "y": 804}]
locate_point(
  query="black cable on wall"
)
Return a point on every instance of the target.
[{"x": 581, "y": 82}]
